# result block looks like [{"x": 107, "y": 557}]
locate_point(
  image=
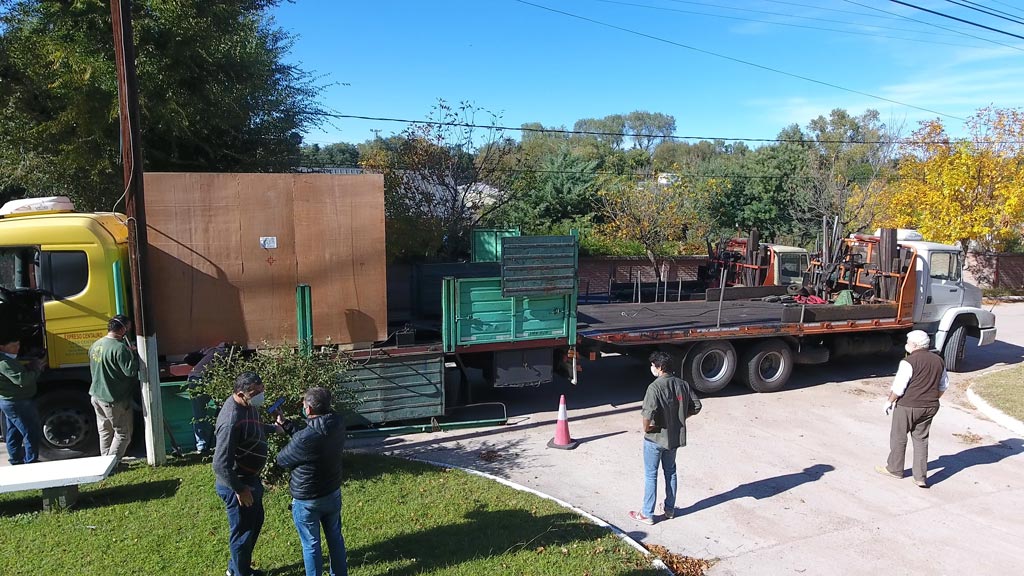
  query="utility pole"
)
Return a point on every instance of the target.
[{"x": 135, "y": 206}]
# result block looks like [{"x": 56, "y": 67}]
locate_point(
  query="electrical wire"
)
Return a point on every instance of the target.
[
  {"x": 802, "y": 26},
  {"x": 979, "y": 8},
  {"x": 951, "y": 17},
  {"x": 925, "y": 22},
  {"x": 737, "y": 60},
  {"x": 788, "y": 15},
  {"x": 1010, "y": 6},
  {"x": 563, "y": 131}
]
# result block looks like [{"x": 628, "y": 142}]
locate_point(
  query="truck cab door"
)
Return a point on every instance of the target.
[{"x": 943, "y": 286}]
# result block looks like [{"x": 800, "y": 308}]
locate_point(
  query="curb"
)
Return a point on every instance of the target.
[
  {"x": 995, "y": 414},
  {"x": 655, "y": 561}
]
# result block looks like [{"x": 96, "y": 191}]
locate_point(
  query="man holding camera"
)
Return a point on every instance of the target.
[{"x": 314, "y": 457}]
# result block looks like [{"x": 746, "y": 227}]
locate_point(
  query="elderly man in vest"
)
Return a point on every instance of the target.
[{"x": 920, "y": 381}]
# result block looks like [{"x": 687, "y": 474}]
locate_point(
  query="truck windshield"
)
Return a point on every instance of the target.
[{"x": 792, "y": 266}]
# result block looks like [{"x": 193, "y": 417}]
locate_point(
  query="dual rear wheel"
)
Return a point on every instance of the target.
[{"x": 764, "y": 366}]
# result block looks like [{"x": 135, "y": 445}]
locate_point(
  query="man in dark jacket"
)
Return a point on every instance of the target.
[
  {"x": 919, "y": 383},
  {"x": 17, "y": 391},
  {"x": 667, "y": 404},
  {"x": 314, "y": 457}
]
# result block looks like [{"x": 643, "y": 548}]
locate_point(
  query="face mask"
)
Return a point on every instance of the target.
[
  {"x": 11, "y": 356},
  {"x": 655, "y": 372},
  {"x": 258, "y": 399},
  {"x": 305, "y": 413}
]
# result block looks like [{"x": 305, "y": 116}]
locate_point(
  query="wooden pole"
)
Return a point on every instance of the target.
[{"x": 135, "y": 206}]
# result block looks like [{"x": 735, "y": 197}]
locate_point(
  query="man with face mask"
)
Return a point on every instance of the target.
[
  {"x": 114, "y": 365},
  {"x": 239, "y": 457},
  {"x": 667, "y": 404},
  {"x": 914, "y": 401}
]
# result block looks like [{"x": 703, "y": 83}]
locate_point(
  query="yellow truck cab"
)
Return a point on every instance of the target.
[{"x": 62, "y": 276}]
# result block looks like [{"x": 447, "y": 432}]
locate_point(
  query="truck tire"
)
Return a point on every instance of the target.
[
  {"x": 953, "y": 349},
  {"x": 710, "y": 366},
  {"x": 69, "y": 425},
  {"x": 766, "y": 366}
]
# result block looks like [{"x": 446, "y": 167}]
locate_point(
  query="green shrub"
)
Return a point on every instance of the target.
[{"x": 287, "y": 373}]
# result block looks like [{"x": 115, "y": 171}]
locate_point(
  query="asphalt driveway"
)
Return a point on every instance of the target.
[{"x": 778, "y": 483}]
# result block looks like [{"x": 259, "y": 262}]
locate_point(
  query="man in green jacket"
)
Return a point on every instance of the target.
[
  {"x": 115, "y": 369},
  {"x": 17, "y": 389}
]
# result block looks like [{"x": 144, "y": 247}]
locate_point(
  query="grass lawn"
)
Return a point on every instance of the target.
[
  {"x": 1004, "y": 390},
  {"x": 400, "y": 518}
]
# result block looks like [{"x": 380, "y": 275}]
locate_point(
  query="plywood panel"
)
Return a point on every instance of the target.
[{"x": 212, "y": 280}]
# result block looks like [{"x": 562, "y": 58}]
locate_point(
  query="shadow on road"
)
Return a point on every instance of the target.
[
  {"x": 951, "y": 464},
  {"x": 762, "y": 489},
  {"x": 998, "y": 352}
]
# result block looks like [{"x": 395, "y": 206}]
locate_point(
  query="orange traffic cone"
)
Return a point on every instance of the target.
[{"x": 562, "y": 441}]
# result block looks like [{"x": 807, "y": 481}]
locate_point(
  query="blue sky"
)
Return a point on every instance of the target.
[{"x": 395, "y": 58}]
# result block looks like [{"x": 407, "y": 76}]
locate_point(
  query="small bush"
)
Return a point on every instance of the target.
[{"x": 287, "y": 373}]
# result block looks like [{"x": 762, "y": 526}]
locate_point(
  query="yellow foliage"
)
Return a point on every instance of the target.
[{"x": 959, "y": 190}]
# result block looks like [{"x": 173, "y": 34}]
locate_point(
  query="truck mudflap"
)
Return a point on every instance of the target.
[{"x": 987, "y": 336}]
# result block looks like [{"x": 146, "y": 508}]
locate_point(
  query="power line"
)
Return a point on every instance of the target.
[
  {"x": 1010, "y": 6},
  {"x": 737, "y": 60},
  {"x": 566, "y": 132},
  {"x": 788, "y": 15},
  {"x": 925, "y": 22},
  {"x": 834, "y": 10},
  {"x": 805, "y": 27},
  {"x": 979, "y": 8},
  {"x": 691, "y": 175},
  {"x": 923, "y": 9}
]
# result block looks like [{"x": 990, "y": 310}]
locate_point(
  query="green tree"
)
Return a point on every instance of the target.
[
  {"x": 338, "y": 155},
  {"x": 848, "y": 163},
  {"x": 648, "y": 129},
  {"x": 215, "y": 94},
  {"x": 441, "y": 178},
  {"x": 760, "y": 190}
]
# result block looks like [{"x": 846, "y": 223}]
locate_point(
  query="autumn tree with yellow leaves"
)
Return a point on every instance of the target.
[
  {"x": 651, "y": 212},
  {"x": 966, "y": 190}
]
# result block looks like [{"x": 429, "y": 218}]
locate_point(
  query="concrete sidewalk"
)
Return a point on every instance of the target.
[{"x": 774, "y": 483}]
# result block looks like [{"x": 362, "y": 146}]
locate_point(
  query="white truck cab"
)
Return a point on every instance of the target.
[{"x": 945, "y": 305}]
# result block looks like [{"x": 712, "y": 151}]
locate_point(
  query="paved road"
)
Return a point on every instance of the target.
[{"x": 778, "y": 483}]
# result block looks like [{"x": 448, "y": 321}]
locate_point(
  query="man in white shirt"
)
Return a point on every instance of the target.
[{"x": 914, "y": 401}]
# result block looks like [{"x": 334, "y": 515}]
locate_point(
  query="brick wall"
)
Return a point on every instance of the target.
[
  {"x": 597, "y": 271},
  {"x": 996, "y": 270}
]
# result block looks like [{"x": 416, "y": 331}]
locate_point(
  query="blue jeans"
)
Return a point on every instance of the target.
[
  {"x": 309, "y": 516},
  {"x": 202, "y": 428},
  {"x": 23, "y": 430},
  {"x": 653, "y": 454},
  {"x": 244, "y": 525}
]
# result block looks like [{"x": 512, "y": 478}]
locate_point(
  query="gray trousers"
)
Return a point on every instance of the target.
[
  {"x": 918, "y": 423},
  {"x": 114, "y": 421}
]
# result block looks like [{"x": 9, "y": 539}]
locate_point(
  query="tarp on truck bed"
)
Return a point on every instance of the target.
[{"x": 227, "y": 250}]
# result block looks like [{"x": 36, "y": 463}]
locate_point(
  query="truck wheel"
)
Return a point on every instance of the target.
[
  {"x": 766, "y": 366},
  {"x": 710, "y": 366},
  {"x": 69, "y": 425},
  {"x": 953, "y": 349}
]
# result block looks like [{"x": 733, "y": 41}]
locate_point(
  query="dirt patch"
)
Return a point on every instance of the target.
[
  {"x": 968, "y": 437},
  {"x": 681, "y": 565},
  {"x": 861, "y": 392}
]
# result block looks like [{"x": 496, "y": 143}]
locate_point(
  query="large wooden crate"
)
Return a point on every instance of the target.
[{"x": 226, "y": 252}]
